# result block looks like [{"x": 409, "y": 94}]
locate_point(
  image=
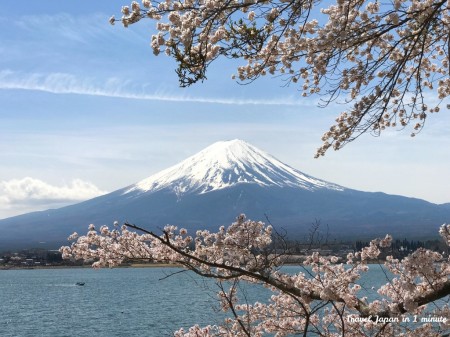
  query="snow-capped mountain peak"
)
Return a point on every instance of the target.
[{"x": 227, "y": 163}]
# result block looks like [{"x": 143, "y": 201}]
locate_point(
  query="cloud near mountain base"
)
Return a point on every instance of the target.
[{"x": 34, "y": 194}]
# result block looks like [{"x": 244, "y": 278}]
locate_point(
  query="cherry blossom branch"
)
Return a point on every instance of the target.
[
  {"x": 386, "y": 58},
  {"x": 361, "y": 307},
  {"x": 319, "y": 301}
]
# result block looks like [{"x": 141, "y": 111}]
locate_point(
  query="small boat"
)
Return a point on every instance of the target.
[{"x": 80, "y": 283}]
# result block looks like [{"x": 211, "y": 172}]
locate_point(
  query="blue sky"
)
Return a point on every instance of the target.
[{"x": 85, "y": 108}]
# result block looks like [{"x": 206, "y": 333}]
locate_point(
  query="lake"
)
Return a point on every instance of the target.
[{"x": 121, "y": 302}]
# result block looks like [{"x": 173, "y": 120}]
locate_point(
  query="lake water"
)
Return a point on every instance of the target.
[{"x": 121, "y": 302}]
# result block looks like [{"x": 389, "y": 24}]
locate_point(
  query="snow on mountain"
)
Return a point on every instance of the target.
[{"x": 227, "y": 163}]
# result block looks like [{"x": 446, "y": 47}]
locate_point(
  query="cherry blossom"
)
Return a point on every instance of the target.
[
  {"x": 325, "y": 297},
  {"x": 387, "y": 61}
]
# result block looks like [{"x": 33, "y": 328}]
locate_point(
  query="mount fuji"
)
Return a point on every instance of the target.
[
  {"x": 226, "y": 164},
  {"x": 226, "y": 179}
]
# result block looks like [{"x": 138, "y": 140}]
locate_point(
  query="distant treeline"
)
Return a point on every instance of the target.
[
  {"x": 407, "y": 246},
  {"x": 398, "y": 249}
]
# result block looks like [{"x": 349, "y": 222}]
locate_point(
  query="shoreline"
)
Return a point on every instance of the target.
[
  {"x": 133, "y": 265},
  {"x": 136, "y": 265}
]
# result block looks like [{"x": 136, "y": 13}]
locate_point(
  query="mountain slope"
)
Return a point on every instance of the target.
[{"x": 228, "y": 178}]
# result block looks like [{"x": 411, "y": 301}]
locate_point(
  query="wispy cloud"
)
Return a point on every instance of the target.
[
  {"x": 63, "y": 26},
  {"x": 63, "y": 83}
]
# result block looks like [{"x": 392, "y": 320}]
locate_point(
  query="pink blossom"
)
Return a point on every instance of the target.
[{"x": 322, "y": 299}]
